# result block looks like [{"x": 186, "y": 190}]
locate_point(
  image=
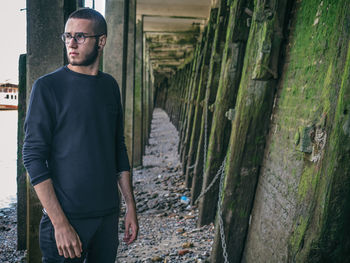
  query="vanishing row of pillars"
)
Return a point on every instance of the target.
[
  {"x": 124, "y": 58},
  {"x": 221, "y": 103}
]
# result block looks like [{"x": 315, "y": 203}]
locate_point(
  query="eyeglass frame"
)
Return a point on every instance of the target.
[{"x": 75, "y": 39}]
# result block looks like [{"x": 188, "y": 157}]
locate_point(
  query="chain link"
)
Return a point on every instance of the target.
[
  {"x": 221, "y": 223},
  {"x": 219, "y": 172},
  {"x": 191, "y": 167}
]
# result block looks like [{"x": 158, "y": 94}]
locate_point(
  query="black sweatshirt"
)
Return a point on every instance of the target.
[{"x": 74, "y": 135}]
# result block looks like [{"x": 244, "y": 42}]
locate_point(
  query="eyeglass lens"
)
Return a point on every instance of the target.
[{"x": 78, "y": 37}]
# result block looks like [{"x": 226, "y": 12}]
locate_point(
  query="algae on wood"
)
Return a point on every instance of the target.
[
  {"x": 249, "y": 129},
  {"x": 231, "y": 64},
  {"x": 137, "y": 158},
  {"x": 198, "y": 107},
  {"x": 190, "y": 107}
]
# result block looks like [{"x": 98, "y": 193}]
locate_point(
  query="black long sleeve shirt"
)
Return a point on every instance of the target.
[{"x": 74, "y": 135}]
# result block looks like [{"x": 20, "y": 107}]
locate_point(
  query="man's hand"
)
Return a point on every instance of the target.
[
  {"x": 67, "y": 241},
  {"x": 131, "y": 226}
]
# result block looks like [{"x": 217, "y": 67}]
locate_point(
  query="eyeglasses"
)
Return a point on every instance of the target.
[{"x": 78, "y": 37}]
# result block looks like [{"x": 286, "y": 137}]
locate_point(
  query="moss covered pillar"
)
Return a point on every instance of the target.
[
  {"x": 185, "y": 81},
  {"x": 207, "y": 212},
  {"x": 138, "y": 97},
  {"x": 130, "y": 81},
  {"x": 44, "y": 55},
  {"x": 189, "y": 86},
  {"x": 249, "y": 127},
  {"x": 198, "y": 106},
  {"x": 146, "y": 80},
  {"x": 190, "y": 108}
]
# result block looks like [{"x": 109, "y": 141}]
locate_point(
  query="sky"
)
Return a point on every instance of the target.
[{"x": 13, "y": 35}]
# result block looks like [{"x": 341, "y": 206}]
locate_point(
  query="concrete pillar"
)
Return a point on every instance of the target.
[
  {"x": 45, "y": 54},
  {"x": 21, "y": 172},
  {"x": 130, "y": 81},
  {"x": 119, "y": 58},
  {"x": 138, "y": 97},
  {"x": 115, "y": 56}
]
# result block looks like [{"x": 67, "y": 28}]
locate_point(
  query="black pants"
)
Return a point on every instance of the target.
[{"x": 99, "y": 237}]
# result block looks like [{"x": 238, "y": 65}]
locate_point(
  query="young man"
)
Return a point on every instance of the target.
[{"x": 74, "y": 151}]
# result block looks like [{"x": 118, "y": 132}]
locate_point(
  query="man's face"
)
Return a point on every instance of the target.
[{"x": 83, "y": 54}]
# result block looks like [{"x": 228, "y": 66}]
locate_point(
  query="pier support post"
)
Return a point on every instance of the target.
[
  {"x": 249, "y": 128},
  {"x": 138, "y": 142},
  {"x": 119, "y": 58},
  {"x": 206, "y": 211},
  {"x": 130, "y": 81},
  {"x": 115, "y": 51},
  {"x": 198, "y": 107},
  {"x": 45, "y": 54},
  {"x": 21, "y": 172}
]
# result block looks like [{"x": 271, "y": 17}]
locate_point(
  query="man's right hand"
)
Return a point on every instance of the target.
[{"x": 67, "y": 241}]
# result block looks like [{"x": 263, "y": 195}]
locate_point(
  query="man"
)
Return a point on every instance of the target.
[{"x": 74, "y": 151}]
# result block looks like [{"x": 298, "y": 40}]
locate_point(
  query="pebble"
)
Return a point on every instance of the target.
[
  {"x": 183, "y": 252},
  {"x": 8, "y": 236},
  {"x": 187, "y": 245}
]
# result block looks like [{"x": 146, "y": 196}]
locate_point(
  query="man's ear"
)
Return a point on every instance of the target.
[{"x": 102, "y": 41}]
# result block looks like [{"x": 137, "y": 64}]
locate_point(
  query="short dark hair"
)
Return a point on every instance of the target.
[{"x": 100, "y": 25}]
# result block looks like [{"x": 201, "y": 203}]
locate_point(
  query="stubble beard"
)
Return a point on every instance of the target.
[{"x": 89, "y": 58}]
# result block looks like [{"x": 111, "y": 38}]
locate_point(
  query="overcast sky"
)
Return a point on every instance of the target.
[{"x": 13, "y": 36}]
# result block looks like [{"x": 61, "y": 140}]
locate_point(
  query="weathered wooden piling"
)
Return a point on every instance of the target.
[
  {"x": 137, "y": 159},
  {"x": 185, "y": 98},
  {"x": 189, "y": 99},
  {"x": 130, "y": 80},
  {"x": 191, "y": 108},
  {"x": 207, "y": 212},
  {"x": 249, "y": 127},
  {"x": 198, "y": 106}
]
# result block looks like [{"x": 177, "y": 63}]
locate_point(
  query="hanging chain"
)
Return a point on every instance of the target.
[
  {"x": 191, "y": 167},
  {"x": 221, "y": 223},
  {"x": 221, "y": 173},
  {"x": 205, "y": 157}
]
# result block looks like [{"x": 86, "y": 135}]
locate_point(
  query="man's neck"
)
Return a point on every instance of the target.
[{"x": 87, "y": 70}]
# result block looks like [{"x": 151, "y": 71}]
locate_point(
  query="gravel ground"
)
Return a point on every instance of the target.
[
  {"x": 8, "y": 236},
  {"x": 168, "y": 231}
]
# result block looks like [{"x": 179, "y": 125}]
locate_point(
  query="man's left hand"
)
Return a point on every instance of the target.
[{"x": 131, "y": 226}]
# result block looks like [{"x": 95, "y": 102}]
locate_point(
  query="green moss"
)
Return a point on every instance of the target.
[
  {"x": 307, "y": 184},
  {"x": 326, "y": 92},
  {"x": 297, "y": 137},
  {"x": 299, "y": 233},
  {"x": 310, "y": 93}
]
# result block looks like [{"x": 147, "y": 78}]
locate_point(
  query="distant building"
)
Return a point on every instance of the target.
[{"x": 8, "y": 96}]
